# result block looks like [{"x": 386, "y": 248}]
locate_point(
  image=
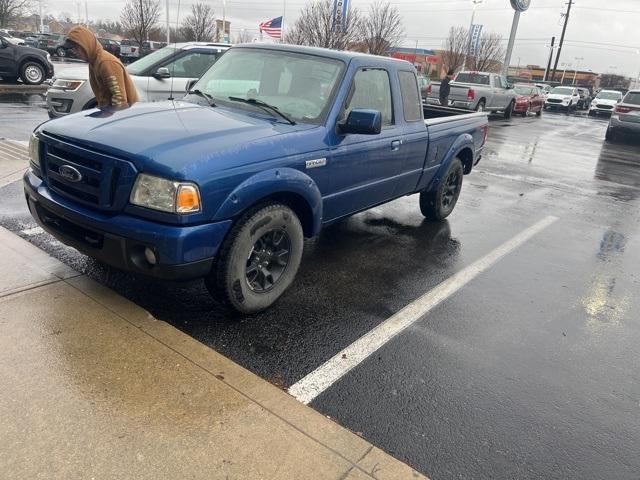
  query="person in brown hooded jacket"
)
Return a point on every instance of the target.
[{"x": 110, "y": 82}]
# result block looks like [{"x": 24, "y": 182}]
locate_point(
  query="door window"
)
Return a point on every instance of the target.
[
  {"x": 192, "y": 64},
  {"x": 411, "y": 103},
  {"x": 371, "y": 89}
]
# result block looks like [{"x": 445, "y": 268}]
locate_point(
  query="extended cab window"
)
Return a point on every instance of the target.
[
  {"x": 371, "y": 89},
  {"x": 411, "y": 103},
  {"x": 477, "y": 78}
]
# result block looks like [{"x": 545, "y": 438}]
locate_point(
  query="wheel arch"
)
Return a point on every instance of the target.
[
  {"x": 463, "y": 149},
  {"x": 284, "y": 185}
]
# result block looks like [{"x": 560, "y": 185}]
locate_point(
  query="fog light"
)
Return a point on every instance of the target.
[{"x": 150, "y": 256}]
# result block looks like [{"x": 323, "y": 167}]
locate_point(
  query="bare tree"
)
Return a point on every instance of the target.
[
  {"x": 140, "y": 17},
  {"x": 11, "y": 9},
  {"x": 243, "y": 37},
  {"x": 381, "y": 28},
  {"x": 613, "y": 81},
  {"x": 455, "y": 48},
  {"x": 489, "y": 55},
  {"x": 201, "y": 24},
  {"x": 315, "y": 27}
]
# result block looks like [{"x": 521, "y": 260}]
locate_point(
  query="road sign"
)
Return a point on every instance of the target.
[{"x": 520, "y": 5}]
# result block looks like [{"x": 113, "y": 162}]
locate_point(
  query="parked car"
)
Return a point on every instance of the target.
[
  {"x": 150, "y": 47},
  {"x": 11, "y": 39},
  {"x": 544, "y": 89},
  {"x": 129, "y": 50},
  {"x": 479, "y": 91},
  {"x": 565, "y": 98},
  {"x": 625, "y": 118},
  {"x": 111, "y": 46},
  {"x": 529, "y": 99},
  {"x": 33, "y": 66},
  {"x": 424, "y": 83},
  {"x": 274, "y": 143},
  {"x": 604, "y": 102},
  {"x": 52, "y": 43},
  {"x": 31, "y": 41},
  {"x": 162, "y": 75},
  {"x": 585, "y": 98}
]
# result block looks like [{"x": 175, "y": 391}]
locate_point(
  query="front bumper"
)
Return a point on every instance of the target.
[
  {"x": 182, "y": 252},
  {"x": 558, "y": 106},
  {"x": 521, "y": 107},
  {"x": 596, "y": 109}
]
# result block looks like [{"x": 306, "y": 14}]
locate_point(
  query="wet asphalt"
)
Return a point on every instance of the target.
[{"x": 529, "y": 371}]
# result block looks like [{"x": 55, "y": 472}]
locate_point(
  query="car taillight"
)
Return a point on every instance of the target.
[
  {"x": 429, "y": 89},
  {"x": 471, "y": 94},
  {"x": 486, "y": 134},
  {"x": 621, "y": 109}
]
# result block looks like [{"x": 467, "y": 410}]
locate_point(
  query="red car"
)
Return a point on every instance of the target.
[{"x": 529, "y": 99}]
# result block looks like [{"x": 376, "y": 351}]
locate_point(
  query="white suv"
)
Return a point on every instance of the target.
[
  {"x": 565, "y": 98},
  {"x": 605, "y": 102},
  {"x": 161, "y": 75}
]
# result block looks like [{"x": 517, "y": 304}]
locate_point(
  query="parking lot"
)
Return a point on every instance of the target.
[{"x": 523, "y": 364}]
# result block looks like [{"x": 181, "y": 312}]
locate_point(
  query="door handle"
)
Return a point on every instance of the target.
[{"x": 395, "y": 145}]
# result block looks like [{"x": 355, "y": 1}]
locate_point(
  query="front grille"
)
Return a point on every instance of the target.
[
  {"x": 604, "y": 107},
  {"x": 554, "y": 100},
  {"x": 105, "y": 181}
]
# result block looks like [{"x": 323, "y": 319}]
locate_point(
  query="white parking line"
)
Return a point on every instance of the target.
[{"x": 316, "y": 382}]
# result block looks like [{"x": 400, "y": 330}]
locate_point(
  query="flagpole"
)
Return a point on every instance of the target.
[{"x": 284, "y": 11}]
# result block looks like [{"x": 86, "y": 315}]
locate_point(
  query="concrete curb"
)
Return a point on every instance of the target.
[
  {"x": 8, "y": 88},
  {"x": 362, "y": 459}
]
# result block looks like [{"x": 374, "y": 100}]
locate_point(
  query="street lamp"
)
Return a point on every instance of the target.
[
  {"x": 575, "y": 74},
  {"x": 473, "y": 16},
  {"x": 565, "y": 65}
]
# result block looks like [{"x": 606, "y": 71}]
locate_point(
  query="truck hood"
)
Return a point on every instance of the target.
[{"x": 172, "y": 139}]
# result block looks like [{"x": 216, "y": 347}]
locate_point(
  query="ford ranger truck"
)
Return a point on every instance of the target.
[{"x": 271, "y": 145}]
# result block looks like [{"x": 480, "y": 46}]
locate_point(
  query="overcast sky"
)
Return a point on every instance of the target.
[{"x": 604, "y": 33}]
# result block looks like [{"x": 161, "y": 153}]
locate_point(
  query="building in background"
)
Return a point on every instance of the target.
[{"x": 423, "y": 59}]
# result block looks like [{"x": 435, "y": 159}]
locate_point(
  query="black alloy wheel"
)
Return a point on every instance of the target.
[{"x": 268, "y": 260}]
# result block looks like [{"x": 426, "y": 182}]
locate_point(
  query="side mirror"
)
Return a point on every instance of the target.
[
  {"x": 362, "y": 121},
  {"x": 162, "y": 72},
  {"x": 190, "y": 84}
]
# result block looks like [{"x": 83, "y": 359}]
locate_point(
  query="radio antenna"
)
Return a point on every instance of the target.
[{"x": 175, "y": 47}]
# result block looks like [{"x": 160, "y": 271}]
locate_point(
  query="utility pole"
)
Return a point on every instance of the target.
[
  {"x": 168, "y": 25},
  {"x": 224, "y": 21},
  {"x": 551, "y": 48},
  {"x": 86, "y": 14},
  {"x": 41, "y": 19},
  {"x": 564, "y": 30}
]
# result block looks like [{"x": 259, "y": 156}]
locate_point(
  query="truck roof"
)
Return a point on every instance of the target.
[{"x": 343, "y": 55}]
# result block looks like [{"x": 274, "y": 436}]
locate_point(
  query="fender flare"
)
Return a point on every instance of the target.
[
  {"x": 283, "y": 182},
  {"x": 464, "y": 141}
]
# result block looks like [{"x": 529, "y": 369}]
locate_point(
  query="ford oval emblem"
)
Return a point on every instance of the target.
[{"x": 70, "y": 173}]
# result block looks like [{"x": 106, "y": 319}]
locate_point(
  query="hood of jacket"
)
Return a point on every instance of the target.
[{"x": 87, "y": 40}]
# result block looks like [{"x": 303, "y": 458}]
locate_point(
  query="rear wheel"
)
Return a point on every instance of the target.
[
  {"x": 439, "y": 204},
  {"x": 611, "y": 135},
  {"x": 481, "y": 107},
  {"x": 259, "y": 259},
  {"x": 509, "y": 111},
  {"x": 32, "y": 73},
  {"x": 61, "y": 52}
]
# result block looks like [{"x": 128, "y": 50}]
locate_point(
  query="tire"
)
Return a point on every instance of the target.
[
  {"x": 481, "y": 107},
  {"x": 611, "y": 135},
  {"x": 509, "y": 111},
  {"x": 61, "y": 52},
  {"x": 32, "y": 73},
  {"x": 249, "y": 275},
  {"x": 591, "y": 114},
  {"x": 525, "y": 114},
  {"x": 539, "y": 112},
  {"x": 439, "y": 204}
]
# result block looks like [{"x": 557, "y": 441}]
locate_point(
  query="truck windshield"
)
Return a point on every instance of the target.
[
  {"x": 300, "y": 86},
  {"x": 136, "y": 68},
  {"x": 477, "y": 78}
]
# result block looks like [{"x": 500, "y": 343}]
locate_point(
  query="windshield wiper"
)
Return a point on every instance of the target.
[
  {"x": 264, "y": 106},
  {"x": 204, "y": 95}
]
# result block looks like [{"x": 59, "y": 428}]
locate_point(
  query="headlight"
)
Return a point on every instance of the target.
[
  {"x": 67, "y": 85},
  {"x": 34, "y": 154},
  {"x": 165, "y": 195},
  {"x": 48, "y": 58}
]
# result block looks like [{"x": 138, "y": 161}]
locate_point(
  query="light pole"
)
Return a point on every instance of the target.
[
  {"x": 473, "y": 16},
  {"x": 575, "y": 74},
  {"x": 638, "y": 78},
  {"x": 564, "y": 72}
]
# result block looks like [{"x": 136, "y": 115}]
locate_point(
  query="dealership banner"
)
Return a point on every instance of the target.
[
  {"x": 340, "y": 11},
  {"x": 474, "y": 44}
]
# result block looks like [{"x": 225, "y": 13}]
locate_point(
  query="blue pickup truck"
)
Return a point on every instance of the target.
[{"x": 272, "y": 144}]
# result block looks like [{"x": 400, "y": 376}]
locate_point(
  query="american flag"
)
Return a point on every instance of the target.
[{"x": 273, "y": 27}]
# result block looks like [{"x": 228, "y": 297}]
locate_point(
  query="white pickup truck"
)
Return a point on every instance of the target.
[{"x": 478, "y": 91}]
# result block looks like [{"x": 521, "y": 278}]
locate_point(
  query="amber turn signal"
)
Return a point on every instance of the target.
[{"x": 187, "y": 199}]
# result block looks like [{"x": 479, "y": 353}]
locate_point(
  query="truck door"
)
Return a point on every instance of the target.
[
  {"x": 7, "y": 62},
  {"x": 363, "y": 167}
]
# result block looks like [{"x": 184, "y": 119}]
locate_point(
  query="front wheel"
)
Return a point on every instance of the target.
[
  {"x": 438, "y": 205},
  {"x": 509, "y": 111},
  {"x": 258, "y": 260},
  {"x": 539, "y": 112},
  {"x": 32, "y": 73},
  {"x": 61, "y": 52}
]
